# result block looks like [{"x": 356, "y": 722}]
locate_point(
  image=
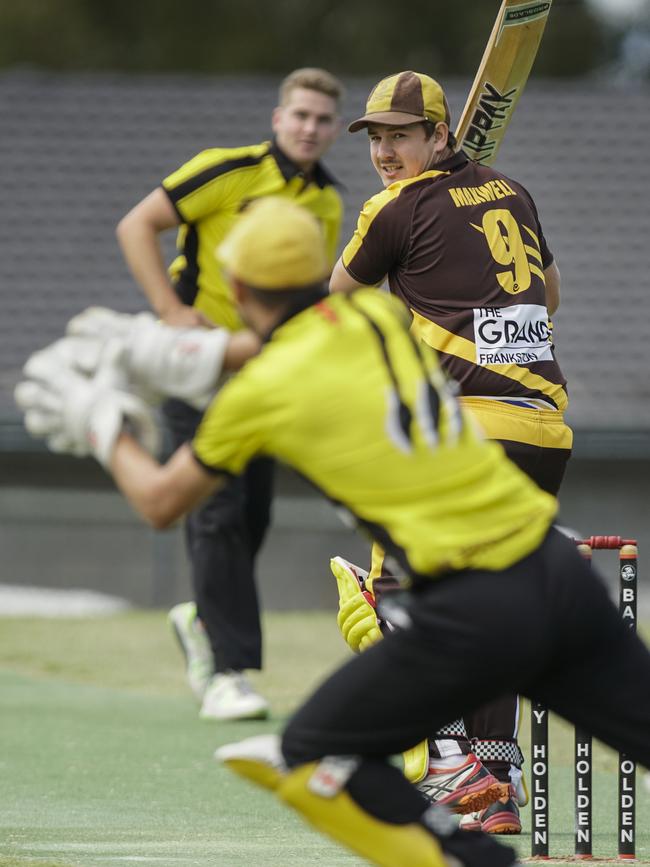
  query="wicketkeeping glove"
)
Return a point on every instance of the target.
[
  {"x": 82, "y": 415},
  {"x": 357, "y": 617},
  {"x": 160, "y": 361}
]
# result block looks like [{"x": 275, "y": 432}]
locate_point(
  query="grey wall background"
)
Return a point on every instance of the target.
[
  {"x": 89, "y": 538},
  {"x": 76, "y": 151}
]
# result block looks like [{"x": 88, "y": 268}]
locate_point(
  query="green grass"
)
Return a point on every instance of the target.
[
  {"x": 104, "y": 761},
  {"x": 10, "y": 861}
]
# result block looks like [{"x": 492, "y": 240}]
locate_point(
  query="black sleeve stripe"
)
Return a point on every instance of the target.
[
  {"x": 171, "y": 199},
  {"x": 214, "y": 471},
  {"x": 187, "y": 285},
  {"x": 197, "y": 181}
]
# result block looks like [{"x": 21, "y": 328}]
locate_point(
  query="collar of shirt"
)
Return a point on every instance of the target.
[
  {"x": 319, "y": 174},
  {"x": 455, "y": 161},
  {"x": 309, "y": 299}
]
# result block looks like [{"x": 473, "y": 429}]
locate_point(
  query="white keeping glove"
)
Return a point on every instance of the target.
[
  {"x": 41, "y": 406},
  {"x": 160, "y": 360},
  {"x": 82, "y": 415},
  {"x": 104, "y": 324}
]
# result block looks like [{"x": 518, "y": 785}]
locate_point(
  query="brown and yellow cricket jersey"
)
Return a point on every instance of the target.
[
  {"x": 210, "y": 191},
  {"x": 463, "y": 247}
]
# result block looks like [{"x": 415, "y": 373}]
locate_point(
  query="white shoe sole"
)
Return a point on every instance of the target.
[
  {"x": 258, "y": 758},
  {"x": 253, "y": 710}
]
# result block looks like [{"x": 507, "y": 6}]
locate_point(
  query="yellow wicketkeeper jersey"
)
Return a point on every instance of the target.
[
  {"x": 344, "y": 394},
  {"x": 211, "y": 190}
]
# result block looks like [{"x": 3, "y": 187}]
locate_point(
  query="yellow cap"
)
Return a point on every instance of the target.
[{"x": 275, "y": 245}]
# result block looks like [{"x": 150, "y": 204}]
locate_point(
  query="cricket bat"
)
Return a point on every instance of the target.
[{"x": 501, "y": 77}]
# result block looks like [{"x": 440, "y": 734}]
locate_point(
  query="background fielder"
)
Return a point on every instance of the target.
[{"x": 204, "y": 198}]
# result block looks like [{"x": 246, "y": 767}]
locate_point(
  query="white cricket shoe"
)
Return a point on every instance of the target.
[
  {"x": 230, "y": 696},
  {"x": 258, "y": 758},
  {"x": 194, "y": 643}
]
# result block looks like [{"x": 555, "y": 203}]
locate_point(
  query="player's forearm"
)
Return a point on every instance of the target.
[
  {"x": 141, "y": 479},
  {"x": 143, "y": 255},
  {"x": 161, "y": 494},
  {"x": 241, "y": 346}
]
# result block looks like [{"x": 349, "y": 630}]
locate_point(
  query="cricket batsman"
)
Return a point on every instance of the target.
[{"x": 463, "y": 247}]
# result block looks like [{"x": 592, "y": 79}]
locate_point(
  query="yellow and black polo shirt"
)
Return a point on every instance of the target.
[
  {"x": 208, "y": 194},
  {"x": 463, "y": 247},
  {"x": 343, "y": 393}
]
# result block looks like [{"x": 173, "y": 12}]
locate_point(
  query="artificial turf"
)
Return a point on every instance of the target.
[{"x": 104, "y": 760}]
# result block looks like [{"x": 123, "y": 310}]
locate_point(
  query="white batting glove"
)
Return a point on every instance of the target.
[
  {"x": 159, "y": 359},
  {"x": 82, "y": 415}
]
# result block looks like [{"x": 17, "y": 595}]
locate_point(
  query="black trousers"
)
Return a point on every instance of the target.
[
  {"x": 573, "y": 654},
  {"x": 546, "y": 467},
  {"x": 223, "y": 537},
  {"x": 497, "y": 720}
]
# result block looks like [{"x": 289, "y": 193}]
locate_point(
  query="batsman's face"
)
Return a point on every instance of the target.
[
  {"x": 306, "y": 126},
  {"x": 400, "y": 152}
]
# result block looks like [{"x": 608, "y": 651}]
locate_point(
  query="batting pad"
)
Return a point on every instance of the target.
[{"x": 416, "y": 762}]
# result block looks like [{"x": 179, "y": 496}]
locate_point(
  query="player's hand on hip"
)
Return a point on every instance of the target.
[
  {"x": 184, "y": 316},
  {"x": 80, "y": 414}
]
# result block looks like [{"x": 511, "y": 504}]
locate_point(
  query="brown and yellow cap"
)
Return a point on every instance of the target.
[{"x": 404, "y": 98}]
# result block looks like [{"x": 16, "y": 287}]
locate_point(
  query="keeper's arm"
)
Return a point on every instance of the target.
[{"x": 160, "y": 493}]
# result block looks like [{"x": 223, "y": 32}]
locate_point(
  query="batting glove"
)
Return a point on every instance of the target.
[
  {"x": 357, "y": 617},
  {"x": 160, "y": 361},
  {"x": 82, "y": 415}
]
